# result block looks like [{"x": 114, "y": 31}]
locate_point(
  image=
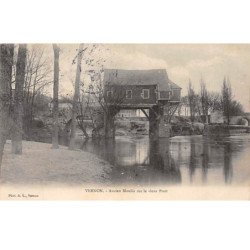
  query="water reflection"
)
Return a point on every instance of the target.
[
  {"x": 180, "y": 160},
  {"x": 160, "y": 159},
  {"x": 228, "y": 168},
  {"x": 205, "y": 161},
  {"x": 192, "y": 161}
]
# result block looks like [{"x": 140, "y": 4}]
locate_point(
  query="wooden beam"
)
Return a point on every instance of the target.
[{"x": 145, "y": 113}]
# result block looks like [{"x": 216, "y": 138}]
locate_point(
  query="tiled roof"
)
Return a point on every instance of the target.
[
  {"x": 174, "y": 85},
  {"x": 138, "y": 77}
]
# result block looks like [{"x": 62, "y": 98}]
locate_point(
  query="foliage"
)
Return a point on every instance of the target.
[
  {"x": 193, "y": 101},
  {"x": 236, "y": 108},
  {"x": 226, "y": 99},
  {"x": 94, "y": 100},
  {"x": 207, "y": 102},
  {"x": 230, "y": 107}
]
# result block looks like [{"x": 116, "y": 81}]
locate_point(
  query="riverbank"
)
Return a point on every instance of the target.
[
  {"x": 41, "y": 165},
  {"x": 225, "y": 130}
]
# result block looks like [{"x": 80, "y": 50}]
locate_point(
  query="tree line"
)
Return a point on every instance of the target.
[
  {"x": 199, "y": 104},
  {"x": 24, "y": 75}
]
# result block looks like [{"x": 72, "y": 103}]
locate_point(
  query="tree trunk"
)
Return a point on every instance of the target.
[
  {"x": 55, "y": 98},
  {"x": 109, "y": 125},
  {"x": 6, "y": 62},
  {"x": 17, "y": 131},
  {"x": 76, "y": 98}
]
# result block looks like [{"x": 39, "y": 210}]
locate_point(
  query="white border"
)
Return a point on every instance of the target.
[
  {"x": 125, "y": 225},
  {"x": 129, "y": 21}
]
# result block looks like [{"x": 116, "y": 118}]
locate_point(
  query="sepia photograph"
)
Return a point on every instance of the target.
[
  {"x": 124, "y": 125},
  {"x": 125, "y": 121}
]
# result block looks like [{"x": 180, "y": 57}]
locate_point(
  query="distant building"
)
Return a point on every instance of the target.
[
  {"x": 184, "y": 110},
  {"x": 62, "y": 105},
  {"x": 218, "y": 117},
  {"x": 130, "y": 113}
]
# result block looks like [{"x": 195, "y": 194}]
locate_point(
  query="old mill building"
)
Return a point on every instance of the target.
[{"x": 143, "y": 89}]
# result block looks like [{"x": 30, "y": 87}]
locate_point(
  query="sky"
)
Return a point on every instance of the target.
[{"x": 211, "y": 62}]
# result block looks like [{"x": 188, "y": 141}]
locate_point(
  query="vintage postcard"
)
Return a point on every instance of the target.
[{"x": 124, "y": 121}]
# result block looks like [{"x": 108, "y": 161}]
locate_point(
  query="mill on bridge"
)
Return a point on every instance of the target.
[{"x": 141, "y": 89}]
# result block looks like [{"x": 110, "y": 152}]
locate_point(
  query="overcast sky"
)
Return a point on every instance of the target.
[{"x": 182, "y": 62}]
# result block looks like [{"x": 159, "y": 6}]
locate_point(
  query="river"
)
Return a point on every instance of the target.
[{"x": 181, "y": 160}]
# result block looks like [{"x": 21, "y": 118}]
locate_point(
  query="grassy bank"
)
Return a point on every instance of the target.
[{"x": 39, "y": 164}]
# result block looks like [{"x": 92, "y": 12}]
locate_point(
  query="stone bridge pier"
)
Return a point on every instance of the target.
[{"x": 158, "y": 128}]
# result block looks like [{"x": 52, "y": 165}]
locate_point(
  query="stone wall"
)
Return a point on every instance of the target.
[
  {"x": 164, "y": 129},
  {"x": 219, "y": 130},
  {"x": 217, "y": 117}
]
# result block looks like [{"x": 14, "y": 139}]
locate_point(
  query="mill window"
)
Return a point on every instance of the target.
[
  {"x": 128, "y": 94},
  {"x": 145, "y": 93}
]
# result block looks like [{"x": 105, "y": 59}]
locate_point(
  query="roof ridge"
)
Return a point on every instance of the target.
[
  {"x": 136, "y": 69},
  {"x": 139, "y": 77}
]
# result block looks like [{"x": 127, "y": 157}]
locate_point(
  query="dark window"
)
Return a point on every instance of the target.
[
  {"x": 164, "y": 94},
  {"x": 128, "y": 94},
  {"x": 176, "y": 95},
  {"x": 109, "y": 93},
  {"x": 145, "y": 93}
]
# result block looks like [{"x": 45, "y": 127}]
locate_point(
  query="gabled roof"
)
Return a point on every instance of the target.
[
  {"x": 174, "y": 85},
  {"x": 138, "y": 77}
]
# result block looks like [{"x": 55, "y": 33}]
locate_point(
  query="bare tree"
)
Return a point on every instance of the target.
[
  {"x": 17, "y": 131},
  {"x": 85, "y": 111},
  {"x": 229, "y": 106},
  {"x": 183, "y": 106},
  {"x": 192, "y": 101},
  {"x": 210, "y": 101},
  {"x": 204, "y": 99},
  {"x": 55, "y": 132},
  {"x": 76, "y": 98},
  {"x": 93, "y": 60},
  {"x": 169, "y": 111},
  {"x": 107, "y": 105},
  {"x": 6, "y": 62},
  {"x": 109, "y": 97},
  {"x": 37, "y": 77},
  {"x": 226, "y": 99},
  {"x": 214, "y": 101}
]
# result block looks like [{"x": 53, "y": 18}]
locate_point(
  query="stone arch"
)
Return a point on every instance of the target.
[{"x": 247, "y": 118}]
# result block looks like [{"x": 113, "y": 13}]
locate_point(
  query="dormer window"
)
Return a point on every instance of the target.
[
  {"x": 128, "y": 94},
  {"x": 145, "y": 94}
]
